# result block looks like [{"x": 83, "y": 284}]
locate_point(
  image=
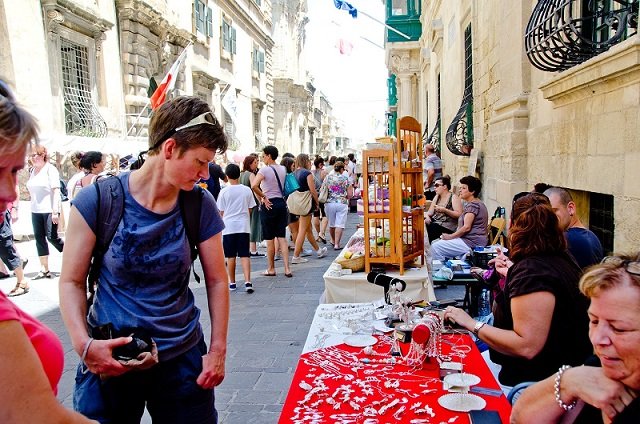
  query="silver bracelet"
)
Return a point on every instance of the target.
[
  {"x": 86, "y": 349},
  {"x": 556, "y": 389}
]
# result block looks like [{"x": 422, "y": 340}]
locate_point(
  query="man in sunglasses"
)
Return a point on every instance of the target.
[{"x": 143, "y": 287}]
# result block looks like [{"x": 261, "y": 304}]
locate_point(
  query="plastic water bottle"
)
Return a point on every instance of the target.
[{"x": 484, "y": 303}]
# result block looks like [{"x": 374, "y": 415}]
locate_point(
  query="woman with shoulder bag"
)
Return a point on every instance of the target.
[
  {"x": 319, "y": 220},
  {"x": 46, "y": 205},
  {"x": 307, "y": 184}
]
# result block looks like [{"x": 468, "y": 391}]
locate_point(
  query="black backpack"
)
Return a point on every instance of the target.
[{"x": 110, "y": 206}]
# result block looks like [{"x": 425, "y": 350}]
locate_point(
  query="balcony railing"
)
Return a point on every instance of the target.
[
  {"x": 564, "y": 33},
  {"x": 434, "y": 137},
  {"x": 460, "y": 132}
]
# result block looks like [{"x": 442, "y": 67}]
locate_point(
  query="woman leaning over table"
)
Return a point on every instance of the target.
[
  {"x": 540, "y": 316},
  {"x": 46, "y": 205},
  {"x": 472, "y": 223},
  {"x": 32, "y": 355},
  {"x": 606, "y": 388},
  {"x": 337, "y": 206},
  {"x": 446, "y": 208}
]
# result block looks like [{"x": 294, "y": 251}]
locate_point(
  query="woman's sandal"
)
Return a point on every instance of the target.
[
  {"x": 19, "y": 290},
  {"x": 40, "y": 275},
  {"x": 321, "y": 240}
]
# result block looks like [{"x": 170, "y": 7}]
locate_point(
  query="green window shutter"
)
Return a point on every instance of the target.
[
  {"x": 254, "y": 59},
  {"x": 209, "y": 22},
  {"x": 225, "y": 36},
  {"x": 233, "y": 40},
  {"x": 261, "y": 62},
  {"x": 196, "y": 12}
]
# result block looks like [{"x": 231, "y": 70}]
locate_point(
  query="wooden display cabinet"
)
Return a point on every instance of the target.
[{"x": 392, "y": 193}]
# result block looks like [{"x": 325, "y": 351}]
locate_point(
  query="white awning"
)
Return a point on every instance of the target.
[{"x": 107, "y": 145}]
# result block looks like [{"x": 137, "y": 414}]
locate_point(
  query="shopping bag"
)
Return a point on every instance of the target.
[
  {"x": 300, "y": 203},
  {"x": 290, "y": 184},
  {"x": 324, "y": 193}
]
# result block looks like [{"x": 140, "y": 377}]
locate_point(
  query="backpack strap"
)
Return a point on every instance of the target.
[
  {"x": 190, "y": 209},
  {"x": 110, "y": 209},
  {"x": 277, "y": 178}
]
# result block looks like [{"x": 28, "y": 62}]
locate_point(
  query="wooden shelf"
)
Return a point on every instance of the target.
[{"x": 386, "y": 179}]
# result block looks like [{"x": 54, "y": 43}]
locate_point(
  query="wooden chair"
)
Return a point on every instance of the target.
[{"x": 496, "y": 231}]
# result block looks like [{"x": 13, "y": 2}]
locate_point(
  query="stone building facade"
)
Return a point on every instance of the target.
[
  {"x": 576, "y": 126},
  {"x": 86, "y": 68}
]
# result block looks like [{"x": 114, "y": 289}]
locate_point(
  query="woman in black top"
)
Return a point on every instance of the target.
[
  {"x": 606, "y": 389},
  {"x": 540, "y": 317}
]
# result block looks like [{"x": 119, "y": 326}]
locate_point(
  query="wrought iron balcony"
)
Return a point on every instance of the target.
[
  {"x": 434, "y": 137},
  {"x": 564, "y": 33},
  {"x": 460, "y": 132},
  {"x": 82, "y": 116}
]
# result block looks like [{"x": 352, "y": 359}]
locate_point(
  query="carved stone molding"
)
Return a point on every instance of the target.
[
  {"x": 141, "y": 12},
  {"x": 73, "y": 16},
  {"x": 404, "y": 62}
]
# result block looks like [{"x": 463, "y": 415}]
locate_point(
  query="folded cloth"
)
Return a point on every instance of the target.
[{"x": 443, "y": 273}]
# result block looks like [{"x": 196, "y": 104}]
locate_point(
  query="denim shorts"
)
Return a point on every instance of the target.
[{"x": 168, "y": 390}]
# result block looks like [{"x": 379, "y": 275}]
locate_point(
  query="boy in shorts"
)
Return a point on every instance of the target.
[{"x": 234, "y": 202}]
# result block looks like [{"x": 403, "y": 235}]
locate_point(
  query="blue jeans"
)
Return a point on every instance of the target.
[{"x": 168, "y": 389}]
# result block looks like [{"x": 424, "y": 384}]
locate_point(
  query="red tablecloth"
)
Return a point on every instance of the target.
[{"x": 351, "y": 390}]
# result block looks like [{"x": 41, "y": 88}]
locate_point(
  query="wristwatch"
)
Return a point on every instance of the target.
[{"x": 477, "y": 327}]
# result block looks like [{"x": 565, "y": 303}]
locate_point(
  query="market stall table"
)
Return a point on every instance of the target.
[{"x": 339, "y": 383}]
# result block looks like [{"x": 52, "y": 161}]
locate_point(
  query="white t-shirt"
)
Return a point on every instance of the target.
[
  {"x": 235, "y": 201},
  {"x": 41, "y": 187}
]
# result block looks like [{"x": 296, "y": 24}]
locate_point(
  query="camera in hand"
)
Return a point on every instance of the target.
[
  {"x": 383, "y": 280},
  {"x": 139, "y": 344}
]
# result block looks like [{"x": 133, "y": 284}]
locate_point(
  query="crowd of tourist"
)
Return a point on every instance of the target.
[{"x": 563, "y": 317}]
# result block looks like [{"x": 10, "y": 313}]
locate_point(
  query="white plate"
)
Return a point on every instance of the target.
[
  {"x": 462, "y": 380},
  {"x": 379, "y": 325},
  {"x": 360, "y": 340},
  {"x": 462, "y": 402}
]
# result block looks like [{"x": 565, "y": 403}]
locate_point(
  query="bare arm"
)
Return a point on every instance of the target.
[
  {"x": 312, "y": 188},
  {"x": 25, "y": 390},
  {"x": 79, "y": 243},
  {"x": 212, "y": 260},
  {"x": 589, "y": 384},
  {"x": 457, "y": 207},
  {"x": 464, "y": 229},
  {"x": 255, "y": 186},
  {"x": 531, "y": 315}
]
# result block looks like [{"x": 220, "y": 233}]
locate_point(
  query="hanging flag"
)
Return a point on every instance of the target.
[
  {"x": 344, "y": 46},
  {"x": 343, "y": 5},
  {"x": 230, "y": 103},
  {"x": 167, "y": 84}
]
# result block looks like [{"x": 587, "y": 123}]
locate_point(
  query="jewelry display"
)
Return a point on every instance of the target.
[{"x": 380, "y": 380}]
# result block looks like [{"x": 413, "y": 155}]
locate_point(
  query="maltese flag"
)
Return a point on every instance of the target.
[
  {"x": 167, "y": 84},
  {"x": 343, "y": 5}
]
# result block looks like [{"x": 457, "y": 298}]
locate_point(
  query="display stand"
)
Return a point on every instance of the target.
[{"x": 392, "y": 188}]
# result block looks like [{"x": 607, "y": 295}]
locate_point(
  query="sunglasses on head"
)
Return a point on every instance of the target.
[
  {"x": 207, "y": 118},
  {"x": 632, "y": 267}
]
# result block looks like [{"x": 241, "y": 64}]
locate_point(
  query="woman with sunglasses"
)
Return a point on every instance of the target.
[
  {"x": 540, "y": 315},
  {"x": 46, "y": 207},
  {"x": 446, "y": 208},
  {"x": 606, "y": 389},
  {"x": 143, "y": 284},
  {"x": 32, "y": 355}
]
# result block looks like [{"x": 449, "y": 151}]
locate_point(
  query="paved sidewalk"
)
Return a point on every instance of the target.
[{"x": 267, "y": 330}]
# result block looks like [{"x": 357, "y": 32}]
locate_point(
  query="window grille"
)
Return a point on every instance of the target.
[
  {"x": 563, "y": 33},
  {"x": 460, "y": 132},
  {"x": 81, "y": 115}
]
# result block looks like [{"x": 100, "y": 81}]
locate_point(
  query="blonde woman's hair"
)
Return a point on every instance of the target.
[
  {"x": 302, "y": 160},
  {"x": 609, "y": 273},
  {"x": 18, "y": 128}
]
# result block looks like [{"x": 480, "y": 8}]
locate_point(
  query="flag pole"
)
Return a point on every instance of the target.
[
  {"x": 385, "y": 25},
  {"x": 135, "y": 122}
]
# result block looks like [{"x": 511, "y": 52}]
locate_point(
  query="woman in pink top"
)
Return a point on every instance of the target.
[{"x": 32, "y": 355}]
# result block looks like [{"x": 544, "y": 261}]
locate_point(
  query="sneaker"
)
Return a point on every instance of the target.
[
  {"x": 232, "y": 287},
  {"x": 322, "y": 252},
  {"x": 297, "y": 260},
  {"x": 306, "y": 252},
  {"x": 248, "y": 287},
  {"x": 257, "y": 255},
  {"x": 262, "y": 244}
]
